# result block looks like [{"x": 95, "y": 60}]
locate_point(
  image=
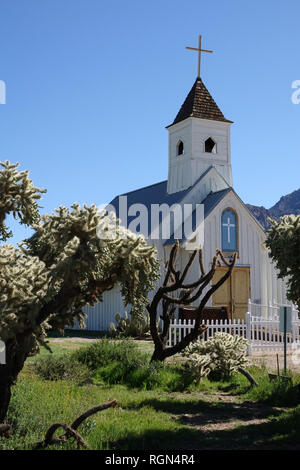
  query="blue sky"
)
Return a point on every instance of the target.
[{"x": 91, "y": 85}]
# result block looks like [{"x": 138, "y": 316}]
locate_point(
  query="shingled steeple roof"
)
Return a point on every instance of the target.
[{"x": 200, "y": 104}]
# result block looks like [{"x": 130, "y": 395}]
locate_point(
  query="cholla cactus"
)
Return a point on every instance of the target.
[
  {"x": 226, "y": 353},
  {"x": 135, "y": 324},
  {"x": 199, "y": 366},
  {"x": 18, "y": 197},
  {"x": 283, "y": 241},
  {"x": 50, "y": 277}
]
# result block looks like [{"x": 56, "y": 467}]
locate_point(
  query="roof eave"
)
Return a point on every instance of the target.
[{"x": 226, "y": 121}]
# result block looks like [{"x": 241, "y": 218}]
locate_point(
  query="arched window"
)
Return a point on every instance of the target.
[
  {"x": 229, "y": 230},
  {"x": 210, "y": 146},
  {"x": 180, "y": 148}
]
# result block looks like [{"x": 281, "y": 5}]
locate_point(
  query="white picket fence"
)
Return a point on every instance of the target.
[
  {"x": 270, "y": 311},
  {"x": 262, "y": 333}
]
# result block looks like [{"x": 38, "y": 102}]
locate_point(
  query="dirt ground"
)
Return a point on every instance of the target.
[
  {"x": 269, "y": 360},
  {"x": 242, "y": 413},
  {"x": 74, "y": 339}
]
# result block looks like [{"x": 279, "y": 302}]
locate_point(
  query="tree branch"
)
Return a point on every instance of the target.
[
  {"x": 160, "y": 350},
  {"x": 71, "y": 431}
]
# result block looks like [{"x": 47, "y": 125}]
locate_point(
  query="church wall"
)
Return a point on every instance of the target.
[
  {"x": 102, "y": 314},
  {"x": 185, "y": 169},
  {"x": 220, "y": 133},
  {"x": 179, "y": 165},
  {"x": 265, "y": 284},
  {"x": 248, "y": 240}
]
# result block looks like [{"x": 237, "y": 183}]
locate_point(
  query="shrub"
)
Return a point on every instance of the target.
[
  {"x": 157, "y": 375},
  {"x": 151, "y": 376},
  {"x": 122, "y": 362},
  {"x": 62, "y": 367},
  {"x": 105, "y": 352},
  {"x": 112, "y": 373},
  {"x": 217, "y": 357},
  {"x": 133, "y": 324}
]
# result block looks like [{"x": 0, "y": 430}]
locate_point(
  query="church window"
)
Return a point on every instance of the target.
[
  {"x": 210, "y": 146},
  {"x": 229, "y": 230},
  {"x": 180, "y": 148}
]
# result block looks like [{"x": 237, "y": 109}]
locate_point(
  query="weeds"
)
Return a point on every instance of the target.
[{"x": 62, "y": 367}]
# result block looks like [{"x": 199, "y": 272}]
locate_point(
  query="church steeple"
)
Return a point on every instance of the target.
[
  {"x": 199, "y": 104},
  {"x": 199, "y": 138}
]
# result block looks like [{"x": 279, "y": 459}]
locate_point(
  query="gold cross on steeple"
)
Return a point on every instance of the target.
[{"x": 199, "y": 53}]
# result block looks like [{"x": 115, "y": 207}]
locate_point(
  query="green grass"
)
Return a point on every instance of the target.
[
  {"x": 157, "y": 410},
  {"x": 36, "y": 404},
  {"x": 275, "y": 393},
  {"x": 144, "y": 420},
  {"x": 57, "y": 348}
]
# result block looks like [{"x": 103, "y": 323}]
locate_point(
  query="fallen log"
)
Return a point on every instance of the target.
[
  {"x": 71, "y": 431},
  {"x": 248, "y": 376}
]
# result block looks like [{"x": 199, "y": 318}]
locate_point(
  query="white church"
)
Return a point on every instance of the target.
[{"x": 200, "y": 172}]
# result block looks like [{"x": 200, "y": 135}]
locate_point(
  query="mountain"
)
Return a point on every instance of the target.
[
  {"x": 261, "y": 214},
  {"x": 289, "y": 204}
]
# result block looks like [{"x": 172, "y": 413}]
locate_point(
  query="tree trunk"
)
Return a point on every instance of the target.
[
  {"x": 17, "y": 351},
  {"x": 5, "y": 394},
  {"x": 158, "y": 355}
]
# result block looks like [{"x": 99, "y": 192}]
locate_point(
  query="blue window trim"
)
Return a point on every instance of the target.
[{"x": 232, "y": 219}]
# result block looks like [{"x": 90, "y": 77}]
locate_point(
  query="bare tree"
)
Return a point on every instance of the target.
[{"x": 188, "y": 293}]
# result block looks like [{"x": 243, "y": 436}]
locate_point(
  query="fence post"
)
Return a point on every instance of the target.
[
  {"x": 248, "y": 332},
  {"x": 169, "y": 344},
  {"x": 294, "y": 328},
  {"x": 270, "y": 311},
  {"x": 249, "y": 305}
]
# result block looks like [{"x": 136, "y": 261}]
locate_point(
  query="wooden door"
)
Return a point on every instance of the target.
[{"x": 235, "y": 291}]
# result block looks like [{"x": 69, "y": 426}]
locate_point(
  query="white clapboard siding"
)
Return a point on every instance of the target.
[
  {"x": 102, "y": 314},
  {"x": 270, "y": 311}
]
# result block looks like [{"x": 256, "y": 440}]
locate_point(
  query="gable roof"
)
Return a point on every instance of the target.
[
  {"x": 157, "y": 194},
  {"x": 210, "y": 202},
  {"x": 200, "y": 104},
  {"x": 153, "y": 194},
  {"x": 213, "y": 199},
  {"x": 211, "y": 167},
  {"x": 249, "y": 212}
]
